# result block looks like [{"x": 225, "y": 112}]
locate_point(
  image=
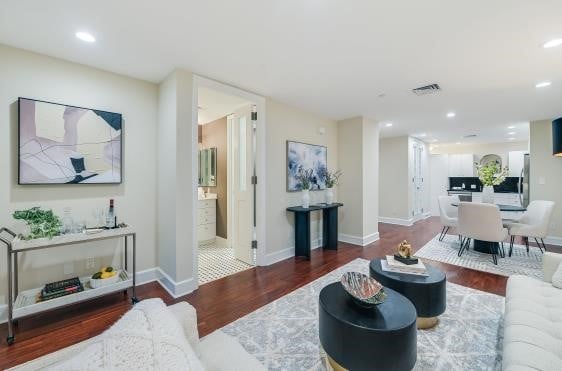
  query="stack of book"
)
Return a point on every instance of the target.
[
  {"x": 393, "y": 265},
  {"x": 61, "y": 288}
]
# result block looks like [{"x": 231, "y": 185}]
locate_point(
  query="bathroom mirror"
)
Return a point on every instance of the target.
[{"x": 208, "y": 167}]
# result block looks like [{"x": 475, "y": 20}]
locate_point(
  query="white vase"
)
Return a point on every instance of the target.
[
  {"x": 305, "y": 193},
  {"x": 488, "y": 195},
  {"x": 329, "y": 196}
]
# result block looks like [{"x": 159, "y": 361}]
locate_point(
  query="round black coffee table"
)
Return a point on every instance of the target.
[
  {"x": 428, "y": 294},
  {"x": 356, "y": 338}
]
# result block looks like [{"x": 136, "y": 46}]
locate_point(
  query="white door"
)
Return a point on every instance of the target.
[
  {"x": 242, "y": 196},
  {"x": 417, "y": 180}
]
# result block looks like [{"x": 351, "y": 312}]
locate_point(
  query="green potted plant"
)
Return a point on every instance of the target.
[
  {"x": 41, "y": 223},
  {"x": 490, "y": 174},
  {"x": 331, "y": 178},
  {"x": 305, "y": 177}
]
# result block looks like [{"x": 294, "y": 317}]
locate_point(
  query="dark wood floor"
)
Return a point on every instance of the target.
[{"x": 223, "y": 301}]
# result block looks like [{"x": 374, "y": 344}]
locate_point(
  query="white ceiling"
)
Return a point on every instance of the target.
[
  {"x": 213, "y": 105},
  {"x": 331, "y": 57}
]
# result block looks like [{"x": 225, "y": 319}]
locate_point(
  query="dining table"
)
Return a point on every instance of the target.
[{"x": 487, "y": 247}]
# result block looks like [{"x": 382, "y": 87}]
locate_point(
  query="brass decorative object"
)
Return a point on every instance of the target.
[{"x": 404, "y": 254}]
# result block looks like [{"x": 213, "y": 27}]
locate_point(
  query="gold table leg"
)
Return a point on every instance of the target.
[
  {"x": 334, "y": 366},
  {"x": 425, "y": 323}
]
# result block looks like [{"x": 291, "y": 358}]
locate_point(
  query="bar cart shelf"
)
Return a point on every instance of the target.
[{"x": 22, "y": 304}]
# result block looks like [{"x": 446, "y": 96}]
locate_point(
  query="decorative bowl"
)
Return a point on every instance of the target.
[{"x": 365, "y": 291}]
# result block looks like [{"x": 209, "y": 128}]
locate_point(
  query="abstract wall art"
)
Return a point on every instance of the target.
[
  {"x": 60, "y": 144},
  {"x": 305, "y": 156}
]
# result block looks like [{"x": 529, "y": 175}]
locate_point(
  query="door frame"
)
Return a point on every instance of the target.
[{"x": 259, "y": 101}]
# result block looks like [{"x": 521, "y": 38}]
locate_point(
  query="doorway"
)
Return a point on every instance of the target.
[{"x": 226, "y": 221}]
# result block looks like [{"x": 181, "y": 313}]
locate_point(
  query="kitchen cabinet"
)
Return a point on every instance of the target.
[
  {"x": 462, "y": 165},
  {"x": 511, "y": 199},
  {"x": 515, "y": 162}
]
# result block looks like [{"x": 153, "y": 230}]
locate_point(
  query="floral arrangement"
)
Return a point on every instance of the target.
[
  {"x": 305, "y": 178},
  {"x": 330, "y": 178},
  {"x": 491, "y": 174},
  {"x": 42, "y": 223}
]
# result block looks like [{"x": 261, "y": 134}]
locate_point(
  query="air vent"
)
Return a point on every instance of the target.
[
  {"x": 428, "y": 89},
  {"x": 470, "y": 136}
]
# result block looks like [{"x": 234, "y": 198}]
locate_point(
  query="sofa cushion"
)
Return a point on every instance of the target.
[
  {"x": 533, "y": 325},
  {"x": 221, "y": 352},
  {"x": 146, "y": 337},
  {"x": 557, "y": 277}
]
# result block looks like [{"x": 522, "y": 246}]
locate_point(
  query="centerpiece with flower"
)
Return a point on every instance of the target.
[
  {"x": 490, "y": 174},
  {"x": 331, "y": 178},
  {"x": 304, "y": 178}
]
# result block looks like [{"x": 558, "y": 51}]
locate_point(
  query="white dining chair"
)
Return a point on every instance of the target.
[
  {"x": 532, "y": 224},
  {"x": 448, "y": 213},
  {"x": 481, "y": 221}
]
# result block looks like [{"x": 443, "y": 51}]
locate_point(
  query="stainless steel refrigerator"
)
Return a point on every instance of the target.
[{"x": 525, "y": 181}]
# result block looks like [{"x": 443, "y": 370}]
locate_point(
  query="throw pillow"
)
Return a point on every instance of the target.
[
  {"x": 148, "y": 337},
  {"x": 557, "y": 277}
]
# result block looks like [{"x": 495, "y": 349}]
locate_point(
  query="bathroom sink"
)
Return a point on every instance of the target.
[{"x": 208, "y": 196}]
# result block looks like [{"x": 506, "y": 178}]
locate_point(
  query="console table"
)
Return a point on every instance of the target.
[
  {"x": 302, "y": 227},
  {"x": 24, "y": 304}
]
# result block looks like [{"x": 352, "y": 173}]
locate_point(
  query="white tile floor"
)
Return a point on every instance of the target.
[{"x": 216, "y": 262}]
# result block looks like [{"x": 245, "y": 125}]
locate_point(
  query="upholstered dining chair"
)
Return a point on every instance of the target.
[
  {"x": 532, "y": 224},
  {"x": 481, "y": 221},
  {"x": 448, "y": 214}
]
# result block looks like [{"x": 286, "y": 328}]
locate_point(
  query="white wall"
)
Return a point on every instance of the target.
[
  {"x": 358, "y": 143},
  {"x": 284, "y": 123},
  {"x": 32, "y": 75},
  {"x": 546, "y": 174},
  {"x": 177, "y": 183},
  {"x": 394, "y": 180}
]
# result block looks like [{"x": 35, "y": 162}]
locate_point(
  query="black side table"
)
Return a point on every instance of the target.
[
  {"x": 428, "y": 294},
  {"x": 379, "y": 338},
  {"x": 302, "y": 227}
]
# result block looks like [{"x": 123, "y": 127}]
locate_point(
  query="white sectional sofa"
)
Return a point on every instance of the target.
[
  {"x": 216, "y": 351},
  {"x": 533, "y": 321}
]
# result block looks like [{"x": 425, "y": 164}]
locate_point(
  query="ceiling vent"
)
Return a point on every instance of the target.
[
  {"x": 428, "y": 89},
  {"x": 470, "y": 136}
]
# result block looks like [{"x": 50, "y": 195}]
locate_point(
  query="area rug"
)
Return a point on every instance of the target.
[
  {"x": 283, "y": 335},
  {"x": 520, "y": 262}
]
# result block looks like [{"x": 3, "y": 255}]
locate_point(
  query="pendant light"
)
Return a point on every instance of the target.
[{"x": 557, "y": 137}]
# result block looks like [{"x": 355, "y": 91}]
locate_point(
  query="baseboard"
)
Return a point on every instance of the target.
[
  {"x": 175, "y": 289},
  {"x": 356, "y": 240},
  {"x": 397, "y": 221},
  {"x": 288, "y": 253},
  {"x": 552, "y": 240}
]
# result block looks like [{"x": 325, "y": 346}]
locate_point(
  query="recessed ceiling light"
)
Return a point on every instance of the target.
[
  {"x": 552, "y": 43},
  {"x": 458, "y": 143},
  {"x": 511, "y": 127},
  {"x": 543, "y": 84},
  {"x": 451, "y": 114},
  {"x": 85, "y": 36},
  {"x": 388, "y": 124},
  {"x": 511, "y": 133}
]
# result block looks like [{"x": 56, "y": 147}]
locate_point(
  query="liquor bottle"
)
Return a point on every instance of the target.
[{"x": 110, "y": 219}]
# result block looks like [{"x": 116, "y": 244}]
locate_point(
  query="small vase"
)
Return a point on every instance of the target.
[
  {"x": 488, "y": 195},
  {"x": 305, "y": 198},
  {"x": 329, "y": 196}
]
